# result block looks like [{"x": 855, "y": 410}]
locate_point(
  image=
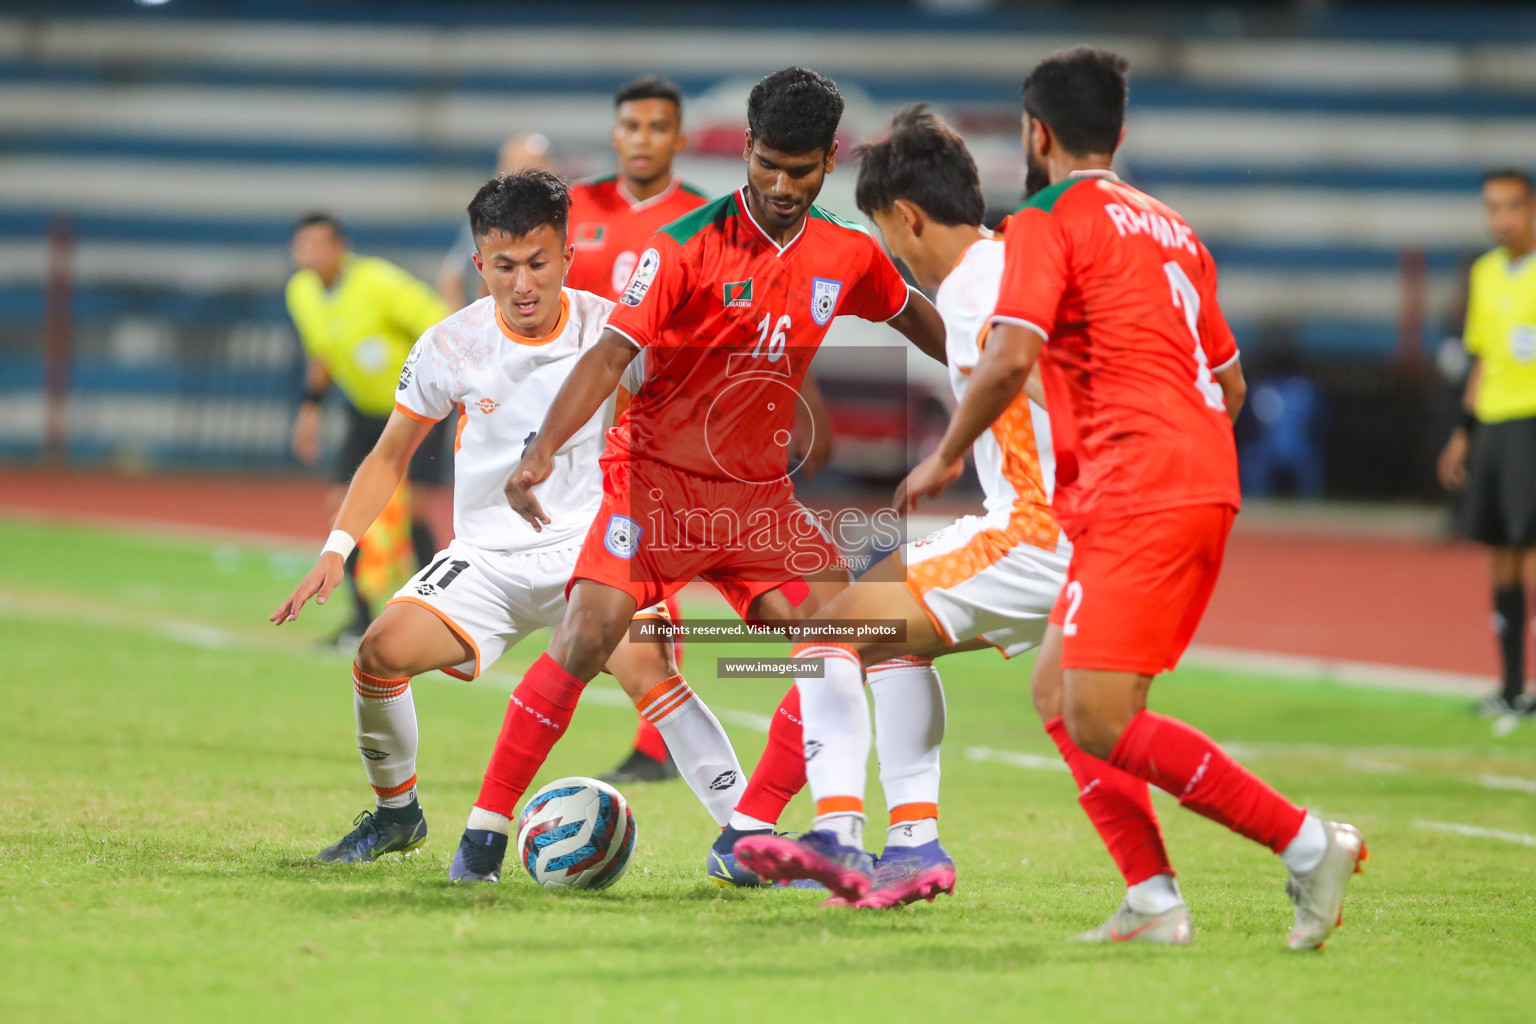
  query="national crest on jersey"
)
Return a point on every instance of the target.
[
  {"x": 824, "y": 299},
  {"x": 730, "y": 323},
  {"x": 500, "y": 385}
]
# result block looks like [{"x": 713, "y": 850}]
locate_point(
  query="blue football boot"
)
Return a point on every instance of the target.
[
  {"x": 907, "y": 874},
  {"x": 479, "y": 857},
  {"x": 721, "y": 865},
  {"x": 377, "y": 832}
]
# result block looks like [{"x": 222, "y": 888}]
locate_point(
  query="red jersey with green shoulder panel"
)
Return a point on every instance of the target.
[
  {"x": 610, "y": 228},
  {"x": 1125, "y": 295},
  {"x": 730, "y": 321}
]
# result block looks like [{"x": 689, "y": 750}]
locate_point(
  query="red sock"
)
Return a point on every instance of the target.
[
  {"x": 1120, "y": 807},
  {"x": 780, "y": 772},
  {"x": 649, "y": 742},
  {"x": 1182, "y": 760},
  {"x": 537, "y": 715}
]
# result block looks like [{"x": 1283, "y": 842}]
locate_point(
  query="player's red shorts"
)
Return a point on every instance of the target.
[
  {"x": 660, "y": 527},
  {"x": 1137, "y": 587}
]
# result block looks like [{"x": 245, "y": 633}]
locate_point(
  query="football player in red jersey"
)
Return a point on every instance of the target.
[
  {"x": 730, "y": 304},
  {"x": 611, "y": 219},
  {"x": 1115, "y": 297}
]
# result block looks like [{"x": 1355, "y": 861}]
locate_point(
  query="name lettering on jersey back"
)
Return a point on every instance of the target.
[{"x": 1170, "y": 234}]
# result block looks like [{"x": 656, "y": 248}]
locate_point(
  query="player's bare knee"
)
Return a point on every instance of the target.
[
  {"x": 1045, "y": 691},
  {"x": 585, "y": 639},
  {"x": 1090, "y": 728},
  {"x": 383, "y": 654}
]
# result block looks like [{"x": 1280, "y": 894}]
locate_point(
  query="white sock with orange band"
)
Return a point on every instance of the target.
[
  {"x": 836, "y": 736},
  {"x": 698, "y": 744},
  {"x": 909, "y": 726},
  {"x": 386, "y": 735}
]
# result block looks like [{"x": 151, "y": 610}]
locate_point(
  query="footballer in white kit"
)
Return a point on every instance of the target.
[
  {"x": 993, "y": 576},
  {"x": 497, "y": 365},
  {"x": 983, "y": 580},
  {"x": 499, "y": 580}
]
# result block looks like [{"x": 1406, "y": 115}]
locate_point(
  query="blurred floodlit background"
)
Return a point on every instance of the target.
[{"x": 154, "y": 156}]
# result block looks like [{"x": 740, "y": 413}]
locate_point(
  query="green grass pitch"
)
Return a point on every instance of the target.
[{"x": 169, "y": 763}]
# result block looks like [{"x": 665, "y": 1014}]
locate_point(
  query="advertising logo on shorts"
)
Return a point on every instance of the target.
[
  {"x": 623, "y": 537},
  {"x": 645, "y": 273},
  {"x": 824, "y": 299}
]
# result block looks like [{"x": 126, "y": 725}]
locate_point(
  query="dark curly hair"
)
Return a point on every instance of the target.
[
  {"x": 1081, "y": 94},
  {"x": 795, "y": 111},
  {"x": 925, "y": 162},
  {"x": 520, "y": 202}
]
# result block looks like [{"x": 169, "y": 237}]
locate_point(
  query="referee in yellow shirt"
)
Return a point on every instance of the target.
[
  {"x": 1493, "y": 451},
  {"x": 358, "y": 317}
]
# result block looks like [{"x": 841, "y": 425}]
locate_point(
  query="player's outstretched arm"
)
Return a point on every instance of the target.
[
  {"x": 595, "y": 376},
  {"x": 922, "y": 325},
  {"x": 371, "y": 488},
  {"x": 1000, "y": 375}
]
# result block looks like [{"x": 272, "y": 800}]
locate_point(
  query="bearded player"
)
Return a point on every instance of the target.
[
  {"x": 729, "y": 304},
  {"x": 497, "y": 364},
  {"x": 1115, "y": 297}
]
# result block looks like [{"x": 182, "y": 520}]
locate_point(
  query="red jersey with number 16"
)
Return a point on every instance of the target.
[
  {"x": 1125, "y": 295},
  {"x": 730, "y": 321},
  {"x": 609, "y": 229}
]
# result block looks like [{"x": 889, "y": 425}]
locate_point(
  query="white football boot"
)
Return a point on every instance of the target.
[
  {"x": 1319, "y": 893},
  {"x": 1170, "y": 928}
]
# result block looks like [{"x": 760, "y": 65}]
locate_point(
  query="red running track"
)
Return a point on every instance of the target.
[{"x": 1412, "y": 603}]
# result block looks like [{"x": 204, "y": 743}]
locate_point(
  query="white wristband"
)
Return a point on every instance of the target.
[{"x": 341, "y": 542}]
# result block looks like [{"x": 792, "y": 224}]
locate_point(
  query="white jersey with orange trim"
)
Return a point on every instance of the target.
[
  {"x": 994, "y": 576},
  {"x": 501, "y": 385},
  {"x": 1014, "y": 460}
]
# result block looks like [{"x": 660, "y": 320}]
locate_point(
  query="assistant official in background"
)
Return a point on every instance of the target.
[
  {"x": 358, "y": 317},
  {"x": 1493, "y": 450}
]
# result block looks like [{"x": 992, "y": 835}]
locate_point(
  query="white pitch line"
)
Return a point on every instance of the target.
[
  {"x": 1369, "y": 675},
  {"x": 1034, "y": 762},
  {"x": 209, "y": 638},
  {"x": 1513, "y": 782},
  {"x": 1476, "y": 832}
]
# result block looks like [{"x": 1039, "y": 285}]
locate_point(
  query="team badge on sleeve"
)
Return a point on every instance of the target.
[
  {"x": 623, "y": 537},
  {"x": 640, "y": 283},
  {"x": 824, "y": 299}
]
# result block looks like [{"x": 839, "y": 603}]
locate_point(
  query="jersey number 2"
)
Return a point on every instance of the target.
[{"x": 1186, "y": 298}]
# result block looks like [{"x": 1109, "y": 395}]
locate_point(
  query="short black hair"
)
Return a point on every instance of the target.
[
  {"x": 1081, "y": 95},
  {"x": 650, "y": 87},
  {"x": 519, "y": 203},
  {"x": 317, "y": 218},
  {"x": 795, "y": 111},
  {"x": 1511, "y": 174},
  {"x": 923, "y": 161}
]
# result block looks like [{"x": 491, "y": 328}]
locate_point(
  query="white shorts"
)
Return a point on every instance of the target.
[
  {"x": 974, "y": 582},
  {"x": 492, "y": 600}
]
